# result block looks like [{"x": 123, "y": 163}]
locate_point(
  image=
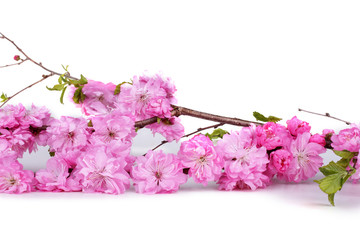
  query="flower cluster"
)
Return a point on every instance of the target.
[
  {"x": 93, "y": 155},
  {"x": 254, "y": 155},
  {"x": 21, "y": 130}
]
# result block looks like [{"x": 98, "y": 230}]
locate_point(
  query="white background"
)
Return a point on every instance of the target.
[{"x": 225, "y": 57}]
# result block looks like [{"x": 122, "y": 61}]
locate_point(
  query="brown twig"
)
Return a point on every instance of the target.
[
  {"x": 325, "y": 115},
  {"x": 178, "y": 111},
  {"x": 14, "y": 64},
  {"x": 188, "y": 135},
  {"x": 11, "y": 97},
  {"x": 33, "y": 61}
]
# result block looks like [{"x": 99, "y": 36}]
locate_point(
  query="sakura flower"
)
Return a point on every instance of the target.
[
  {"x": 157, "y": 172},
  {"x": 99, "y": 98},
  {"x": 20, "y": 139},
  {"x": 54, "y": 177},
  {"x": 306, "y": 162},
  {"x": 15, "y": 180},
  {"x": 70, "y": 157},
  {"x": 347, "y": 139},
  {"x": 113, "y": 127},
  {"x": 148, "y": 96},
  {"x": 318, "y": 138},
  {"x": 296, "y": 126},
  {"x": 101, "y": 173},
  {"x": 281, "y": 160},
  {"x": 272, "y": 135},
  {"x": 229, "y": 184},
  {"x": 170, "y": 128},
  {"x": 68, "y": 133},
  {"x": 244, "y": 163},
  {"x": 200, "y": 156},
  {"x": 35, "y": 117},
  {"x": 160, "y": 107},
  {"x": 10, "y": 116},
  {"x": 6, "y": 152}
]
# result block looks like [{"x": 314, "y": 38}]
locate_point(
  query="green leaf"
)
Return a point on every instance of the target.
[
  {"x": 65, "y": 68},
  {"x": 332, "y": 168},
  {"x": 61, "y": 80},
  {"x": 4, "y": 97},
  {"x": 77, "y": 83},
  {"x": 57, "y": 87},
  {"x": 344, "y": 163},
  {"x": 345, "y": 154},
  {"x": 79, "y": 96},
  {"x": 82, "y": 80},
  {"x": 332, "y": 183},
  {"x": 258, "y": 116},
  {"x": 336, "y": 174},
  {"x": 331, "y": 198},
  {"x": 217, "y": 133},
  {"x": 274, "y": 119},
  {"x": 62, "y": 95}
]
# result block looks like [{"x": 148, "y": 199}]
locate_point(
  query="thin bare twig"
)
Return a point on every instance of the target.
[
  {"x": 14, "y": 64},
  {"x": 33, "y": 61},
  {"x": 11, "y": 97},
  {"x": 325, "y": 115},
  {"x": 190, "y": 134}
]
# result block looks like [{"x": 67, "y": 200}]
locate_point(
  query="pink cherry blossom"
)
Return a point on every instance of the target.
[
  {"x": 112, "y": 127},
  {"x": 13, "y": 179},
  {"x": 54, "y": 177},
  {"x": 347, "y": 139},
  {"x": 148, "y": 96},
  {"x": 244, "y": 163},
  {"x": 200, "y": 156},
  {"x": 99, "y": 98},
  {"x": 102, "y": 173},
  {"x": 35, "y": 117},
  {"x": 318, "y": 138},
  {"x": 229, "y": 184},
  {"x": 157, "y": 172},
  {"x": 296, "y": 126},
  {"x": 68, "y": 133},
  {"x": 10, "y": 115},
  {"x": 272, "y": 135},
  {"x": 306, "y": 162},
  {"x": 20, "y": 139},
  {"x": 170, "y": 128},
  {"x": 281, "y": 160}
]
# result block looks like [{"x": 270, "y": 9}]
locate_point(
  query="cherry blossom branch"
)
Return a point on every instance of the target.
[
  {"x": 188, "y": 135},
  {"x": 2, "y": 36},
  {"x": 11, "y": 97},
  {"x": 178, "y": 111},
  {"x": 325, "y": 115}
]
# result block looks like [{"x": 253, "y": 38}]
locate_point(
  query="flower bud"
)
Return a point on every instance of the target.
[{"x": 16, "y": 57}]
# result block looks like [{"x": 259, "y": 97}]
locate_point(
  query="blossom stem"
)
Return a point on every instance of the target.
[
  {"x": 11, "y": 97},
  {"x": 14, "y": 64},
  {"x": 325, "y": 115},
  {"x": 188, "y": 135},
  {"x": 178, "y": 111},
  {"x": 2, "y": 36}
]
